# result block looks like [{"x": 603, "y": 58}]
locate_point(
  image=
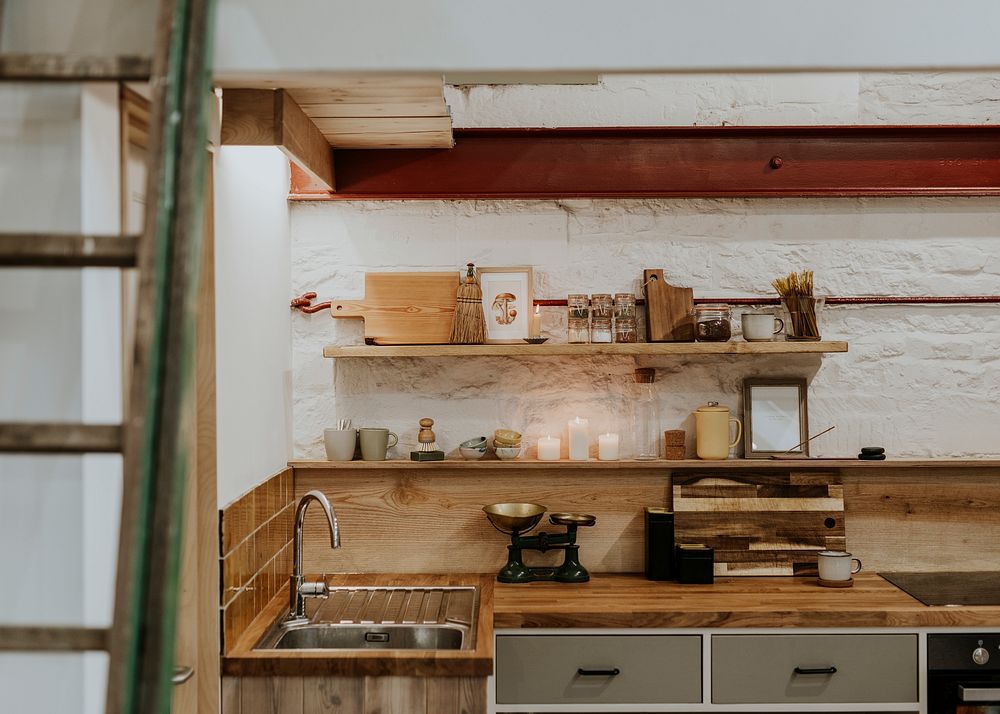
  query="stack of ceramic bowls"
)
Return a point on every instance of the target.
[
  {"x": 507, "y": 444},
  {"x": 473, "y": 448}
]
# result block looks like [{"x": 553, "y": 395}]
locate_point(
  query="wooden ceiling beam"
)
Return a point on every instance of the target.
[
  {"x": 270, "y": 117},
  {"x": 676, "y": 162}
]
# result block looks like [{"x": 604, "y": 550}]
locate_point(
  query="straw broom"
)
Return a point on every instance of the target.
[{"x": 469, "y": 326}]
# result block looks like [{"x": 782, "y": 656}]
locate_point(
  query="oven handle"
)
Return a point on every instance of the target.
[{"x": 978, "y": 694}]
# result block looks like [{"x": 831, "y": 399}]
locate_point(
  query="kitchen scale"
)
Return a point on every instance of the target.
[{"x": 515, "y": 519}]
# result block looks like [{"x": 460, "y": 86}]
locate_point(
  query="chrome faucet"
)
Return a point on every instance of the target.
[{"x": 298, "y": 589}]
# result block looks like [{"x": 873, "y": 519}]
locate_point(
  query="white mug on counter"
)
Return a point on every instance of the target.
[
  {"x": 761, "y": 326},
  {"x": 837, "y": 565}
]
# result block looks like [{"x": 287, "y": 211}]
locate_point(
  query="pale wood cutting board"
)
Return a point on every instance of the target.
[
  {"x": 761, "y": 524},
  {"x": 404, "y": 308},
  {"x": 668, "y": 309}
]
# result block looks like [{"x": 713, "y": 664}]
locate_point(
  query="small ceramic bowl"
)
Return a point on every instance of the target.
[
  {"x": 476, "y": 443},
  {"x": 507, "y": 453},
  {"x": 472, "y": 453}
]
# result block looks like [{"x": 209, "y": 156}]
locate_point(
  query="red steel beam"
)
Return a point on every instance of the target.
[{"x": 675, "y": 162}]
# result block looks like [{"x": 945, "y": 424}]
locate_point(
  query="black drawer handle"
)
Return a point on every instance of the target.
[
  {"x": 815, "y": 670},
  {"x": 581, "y": 672}
]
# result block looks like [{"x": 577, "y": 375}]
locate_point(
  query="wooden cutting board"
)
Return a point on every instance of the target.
[
  {"x": 761, "y": 524},
  {"x": 404, "y": 308},
  {"x": 668, "y": 309}
]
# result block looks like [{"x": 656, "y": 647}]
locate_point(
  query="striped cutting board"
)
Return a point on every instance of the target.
[{"x": 761, "y": 524}]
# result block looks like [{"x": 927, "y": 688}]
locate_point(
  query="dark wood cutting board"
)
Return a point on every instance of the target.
[
  {"x": 761, "y": 524},
  {"x": 668, "y": 309}
]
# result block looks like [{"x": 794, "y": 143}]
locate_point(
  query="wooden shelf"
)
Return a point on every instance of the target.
[
  {"x": 661, "y": 464},
  {"x": 551, "y": 349}
]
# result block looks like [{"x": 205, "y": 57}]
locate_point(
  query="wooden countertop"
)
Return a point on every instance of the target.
[
  {"x": 608, "y": 600},
  {"x": 244, "y": 660},
  {"x": 629, "y": 600}
]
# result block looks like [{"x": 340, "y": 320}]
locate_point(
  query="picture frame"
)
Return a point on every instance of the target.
[
  {"x": 508, "y": 303},
  {"x": 775, "y": 417}
]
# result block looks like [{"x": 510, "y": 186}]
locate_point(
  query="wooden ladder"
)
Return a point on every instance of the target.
[{"x": 153, "y": 436}]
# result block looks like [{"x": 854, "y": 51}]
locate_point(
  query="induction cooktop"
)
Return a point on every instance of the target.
[{"x": 967, "y": 588}]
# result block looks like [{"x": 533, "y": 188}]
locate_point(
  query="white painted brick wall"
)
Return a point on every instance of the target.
[{"x": 920, "y": 380}]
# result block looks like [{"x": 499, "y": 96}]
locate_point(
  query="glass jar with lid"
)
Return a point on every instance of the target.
[
  {"x": 601, "y": 305},
  {"x": 578, "y": 330},
  {"x": 578, "y": 306},
  {"x": 600, "y": 330},
  {"x": 712, "y": 323},
  {"x": 625, "y": 330},
  {"x": 624, "y": 306},
  {"x": 647, "y": 416}
]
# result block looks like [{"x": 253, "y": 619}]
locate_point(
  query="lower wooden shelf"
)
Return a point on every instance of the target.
[
  {"x": 661, "y": 464},
  {"x": 549, "y": 349}
]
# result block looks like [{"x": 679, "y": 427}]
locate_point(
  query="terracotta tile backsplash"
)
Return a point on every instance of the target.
[{"x": 255, "y": 548}]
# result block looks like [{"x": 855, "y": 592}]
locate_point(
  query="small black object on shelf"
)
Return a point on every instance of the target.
[{"x": 872, "y": 453}]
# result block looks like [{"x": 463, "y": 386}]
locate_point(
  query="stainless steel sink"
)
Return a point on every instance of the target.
[
  {"x": 431, "y": 618},
  {"x": 368, "y": 637}
]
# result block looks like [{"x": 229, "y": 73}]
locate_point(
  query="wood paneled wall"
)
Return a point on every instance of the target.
[{"x": 430, "y": 521}]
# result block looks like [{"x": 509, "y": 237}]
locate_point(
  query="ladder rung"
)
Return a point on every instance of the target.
[
  {"x": 57, "y": 250},
  {"x": 59, "y": 438},
  {"x": 62, "y": 68},
  {"x": 53, "y": 639}
]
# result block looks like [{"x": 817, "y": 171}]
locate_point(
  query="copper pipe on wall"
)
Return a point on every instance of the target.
[{"x": 833, "y": 300}]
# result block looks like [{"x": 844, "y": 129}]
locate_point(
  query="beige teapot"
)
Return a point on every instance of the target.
[{"x": 712, "y": 431}]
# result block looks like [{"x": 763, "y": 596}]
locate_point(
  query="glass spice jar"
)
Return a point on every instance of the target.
[
  {"x": 601, "y": 305},
  {"x": 624, "y": 306},
  {"x": 578, "y": 330},
  {"x": 712, "y": 323},
  {"x": 625, "y": 330},
  {"x": 578, "y": 306},
  {"x": 600, "y": 330}
]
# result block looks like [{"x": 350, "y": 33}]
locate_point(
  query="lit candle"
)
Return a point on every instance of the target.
[
  {"x": 548, "y": 448},
  {"x": 579, "y": 444},
  {"x": 535, "y": 328},
  {"x": 607, "y": 447}
]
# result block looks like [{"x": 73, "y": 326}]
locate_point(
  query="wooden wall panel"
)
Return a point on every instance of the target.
[
  {"x": 924, "y": 519},
  {"x": 432, "y": 522}
]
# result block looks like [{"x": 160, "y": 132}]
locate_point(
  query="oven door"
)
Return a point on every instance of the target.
[{"x": 963, "y": 693}]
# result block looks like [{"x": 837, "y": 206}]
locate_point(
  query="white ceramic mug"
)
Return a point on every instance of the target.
[
  {"x": 760, "y": 326},
  {"x": 837, "y": 565},
  {"x": 340, "y": 443}
]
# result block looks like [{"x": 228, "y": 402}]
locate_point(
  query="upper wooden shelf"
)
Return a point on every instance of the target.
[
  {"x": 736, "y": 347},
  {"x": 659, "y": 464}
]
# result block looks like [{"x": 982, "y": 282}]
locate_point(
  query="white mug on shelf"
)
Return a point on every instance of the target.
[
  {"x": 760, "y": 326},
  {"x": 837, "y": 565}
]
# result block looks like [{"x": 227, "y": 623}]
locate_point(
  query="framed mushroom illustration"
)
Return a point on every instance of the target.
[{"x": 507, "y": 303}]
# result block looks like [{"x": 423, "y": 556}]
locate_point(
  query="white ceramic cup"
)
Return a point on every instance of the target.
[
  {"x": 837, "y": 565},
  {"x": 340, "y": 444},
  {"x": 760, "y": 326}
]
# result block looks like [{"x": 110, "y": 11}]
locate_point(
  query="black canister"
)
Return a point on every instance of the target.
[
  {"x": 659, "y": 544},
  {"x": 695, "y": 564}
]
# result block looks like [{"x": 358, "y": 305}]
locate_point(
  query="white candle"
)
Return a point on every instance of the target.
[
  {"x": 535, "y": 328},
  {"x": 579, "y": 444},
  {"x": 548, "y": 448},
  {"x": 607, "y": 447}
]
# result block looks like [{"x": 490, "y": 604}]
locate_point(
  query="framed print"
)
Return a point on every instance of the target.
[
  {"x": 775, "y": 418},
  {"x": 507, "y": 303}
]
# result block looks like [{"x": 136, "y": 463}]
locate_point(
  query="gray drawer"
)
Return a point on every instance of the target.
[
  {"x": 761, "y": 668},
  {"x": 543, "y": 669}
]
